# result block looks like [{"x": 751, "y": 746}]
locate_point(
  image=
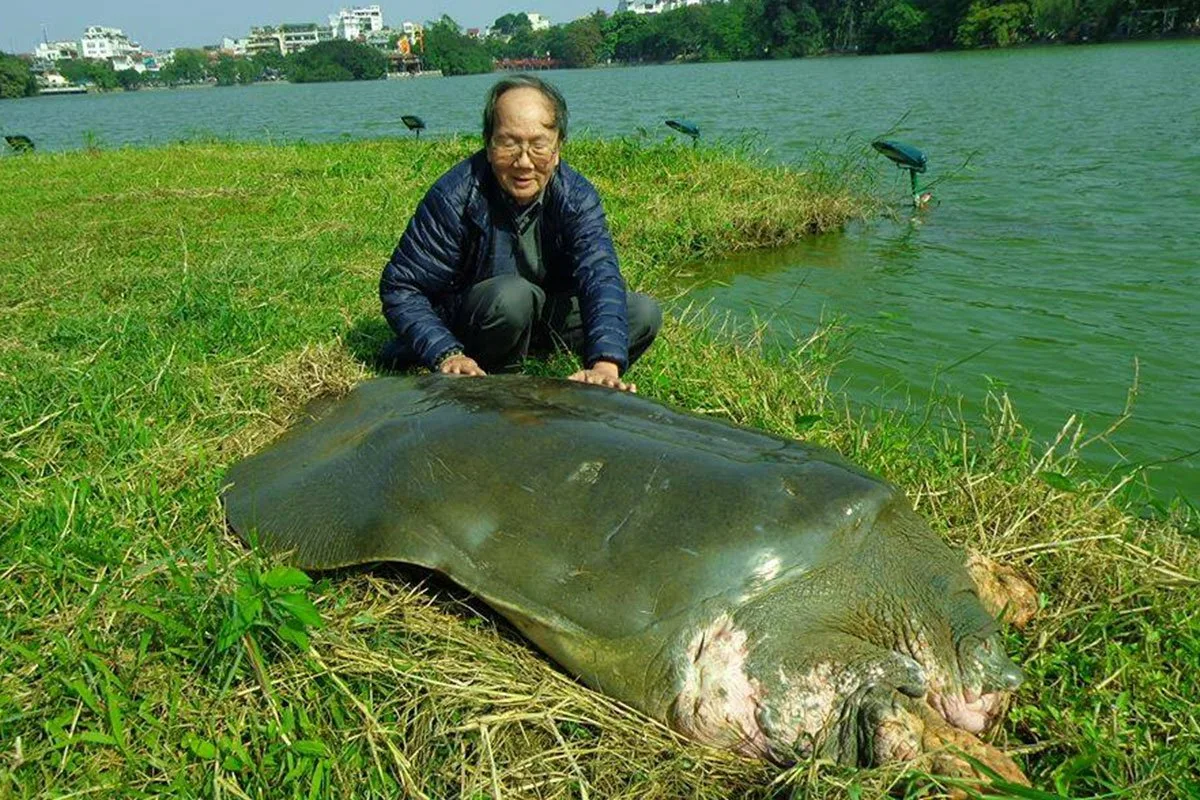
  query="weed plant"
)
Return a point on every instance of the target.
[{"x": 166, "y": 312}]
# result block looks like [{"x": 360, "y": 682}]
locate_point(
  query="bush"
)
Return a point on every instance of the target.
[
  {"x": 15, "y": 78},
  {"x": 453, "y": 53},
  {"x": 897, "y": 28},
  {"x": 999, "y": 26},
  {"x": 338, "y": 60}
]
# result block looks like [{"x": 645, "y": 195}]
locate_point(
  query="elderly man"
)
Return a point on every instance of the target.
[{"x": 509, "y": 252}]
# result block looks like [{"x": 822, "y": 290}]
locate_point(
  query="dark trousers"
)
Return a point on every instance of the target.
[{"x": 501, "y": 320}]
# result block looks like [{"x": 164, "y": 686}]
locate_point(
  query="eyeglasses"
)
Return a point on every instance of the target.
[{"x": 540, "y": 150}]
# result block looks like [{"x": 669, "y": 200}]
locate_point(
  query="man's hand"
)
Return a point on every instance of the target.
[
  {"x": 604, "y": 373},
  {"x": 460, "y": 364}
]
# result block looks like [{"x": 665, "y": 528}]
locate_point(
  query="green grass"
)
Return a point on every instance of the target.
[{"x": 166, "y": 312}]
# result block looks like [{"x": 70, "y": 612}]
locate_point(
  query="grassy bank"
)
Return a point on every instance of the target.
[{"x": 165, "y": 312}]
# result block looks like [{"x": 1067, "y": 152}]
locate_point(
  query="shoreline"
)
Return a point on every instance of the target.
[
  {"x": 1029, "y": 45},
  {"x": 205, "y": 292}
]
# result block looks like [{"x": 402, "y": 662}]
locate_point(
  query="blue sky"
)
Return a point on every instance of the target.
[{"x": 174, "y": 24}]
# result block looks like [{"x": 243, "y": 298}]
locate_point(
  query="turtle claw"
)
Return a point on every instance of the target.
[
  {"x": 955, "y": 752},
  {"x": 1004, "y": 592},
  {"x": 894, "y": 728}
]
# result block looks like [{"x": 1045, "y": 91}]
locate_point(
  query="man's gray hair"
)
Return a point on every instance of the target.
[{"x": 548, "y": 90}]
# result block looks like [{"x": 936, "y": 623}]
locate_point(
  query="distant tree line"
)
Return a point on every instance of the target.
[
  {"x": 757, "y": 29},
  {"x": 718, "y": 31},
  {"x": 337, "y": 60}
]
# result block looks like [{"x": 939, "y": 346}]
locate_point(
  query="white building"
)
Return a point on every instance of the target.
[
  {"x": 653, "y": 6},
  {"x": 56, "y": 51},
  {"x": 537, "y": 21},
  {"x": 351, "y": 23},
  {"x": 265, "y": 39},
  {"x": 122, "y": 63},
  {"x": 294, "y": 38},
  {"x": 235, "y": 47},
  {"x": 101, "y": 42}
]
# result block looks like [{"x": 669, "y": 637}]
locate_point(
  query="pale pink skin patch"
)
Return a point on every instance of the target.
[
  {"x": 961, "y": 707},
  {"x": 966, "y": 709},
  {"x": 718, "y": 702},
  {"x": 720, "y": 705}
]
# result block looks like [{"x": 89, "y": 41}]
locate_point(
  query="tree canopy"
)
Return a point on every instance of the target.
[
  {"x": 15, "y": 78},
  {"x": 745, "y": 29},
  {"x": 83, "y": 71},
  {"x": 448, "y": 49},
  {"x": 509, "y": 24},
  {"x": 337, "y": 60}
]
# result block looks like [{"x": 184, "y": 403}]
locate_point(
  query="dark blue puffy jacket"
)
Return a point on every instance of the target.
[{"x": 446, "y": 245}]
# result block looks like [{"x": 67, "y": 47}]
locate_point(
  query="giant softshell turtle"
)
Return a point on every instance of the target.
[{"x": 753, "y": 592}]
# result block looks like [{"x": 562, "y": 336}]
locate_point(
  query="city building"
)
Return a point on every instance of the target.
[
  {"x": 234, "y": 47},
  {"x": 56, "y": 51},
  {"x": 122, "y": 63},
  {"x": 264, "y": 39},
  {"x": 653, "y": 6},
  {"x": 380, "y": 39},
  {"x": 537, "y": 21},
  {"x": 361, "y": 24},
  {"x": 153, "y": 62},
  {"x": 100, "y": 42},
  {"x": 303, "y": 35},
  {"x": 353, "y": 23}
]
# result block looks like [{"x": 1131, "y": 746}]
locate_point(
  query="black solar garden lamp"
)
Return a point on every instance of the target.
[
  {"x": 686, "y": 128},
  {"x": 19, "y": 143},
  {"x": 413, "y": 123},
  {"x": 905, "y": 156}
]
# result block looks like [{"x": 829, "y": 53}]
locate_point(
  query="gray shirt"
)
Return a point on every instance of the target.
[{"x": 527, "y": 245}]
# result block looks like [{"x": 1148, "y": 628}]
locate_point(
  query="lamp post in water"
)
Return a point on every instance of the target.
[
  {"x": 907, "y": 157},
  {"x": 413, "y": 123},
  {"x": 686, "y": 128},
  {"x": 19, "y": 144}
]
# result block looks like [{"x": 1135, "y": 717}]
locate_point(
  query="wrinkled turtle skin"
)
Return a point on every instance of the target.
[{"x": 753, "y": 592}]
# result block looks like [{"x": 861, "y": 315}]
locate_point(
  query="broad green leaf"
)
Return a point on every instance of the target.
[
  {"x": 1058, "y": 481},
  {"x": 95, "y": 737},
  {"x": 282, "y": 577},
  {"x": 249, "y": 607},
  {"x": 85, "y": 694},
  {"x": 202, "y": 748},
  {"x": 310, "y": 747},
  {"x": 300, "y": 607},
  {"x": 292, "y": 631},
  {"x": 116, "y": 720},
  {"x": 314, "y": 791}
]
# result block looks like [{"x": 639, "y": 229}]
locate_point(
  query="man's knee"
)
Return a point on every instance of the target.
[
  {"x": 645, "y": 316},
  {"x": 507, "y": 301}
]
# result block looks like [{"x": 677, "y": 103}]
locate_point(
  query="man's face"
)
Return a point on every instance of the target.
[{"x": 523, "y": 151}]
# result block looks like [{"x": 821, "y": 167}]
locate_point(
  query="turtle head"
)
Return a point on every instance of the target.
[
  {"x": 837, "y": 659},
  {"x": 971, "y": 675}
]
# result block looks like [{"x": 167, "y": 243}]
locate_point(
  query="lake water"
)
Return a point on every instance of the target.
[{"x": 1061, "y": 260}]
